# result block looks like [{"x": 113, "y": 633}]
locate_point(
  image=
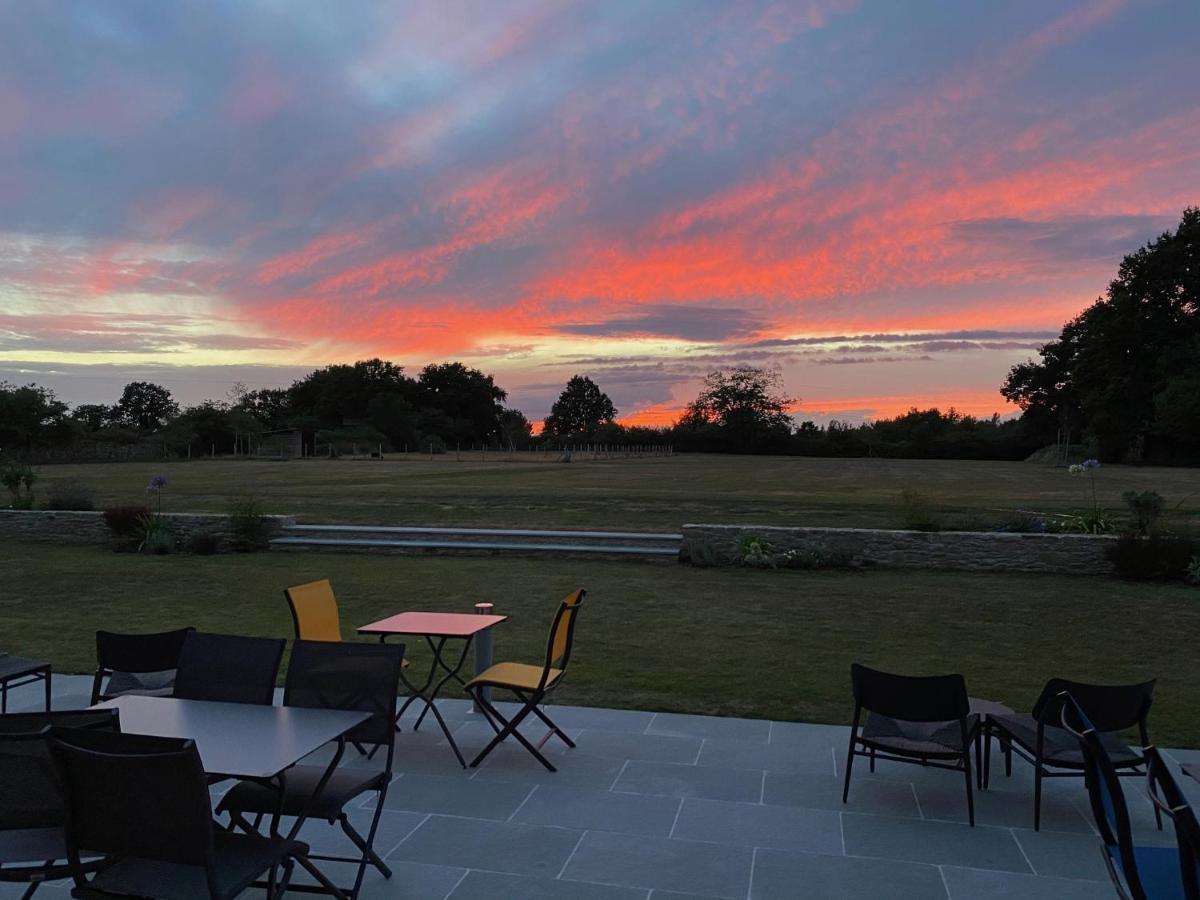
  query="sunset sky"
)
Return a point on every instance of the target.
[{"x": 892, "y": 202}]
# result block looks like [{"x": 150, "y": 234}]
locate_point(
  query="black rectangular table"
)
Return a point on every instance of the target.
[
  {"x": 19, "y": 670},
  {"x": 246, "y": 740},
  {"x": 237, "y": 740}
]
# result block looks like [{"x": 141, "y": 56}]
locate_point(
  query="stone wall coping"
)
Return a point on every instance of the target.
[{"x": 906, "y": 532}]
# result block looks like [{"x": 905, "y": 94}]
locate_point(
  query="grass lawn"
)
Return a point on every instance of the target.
[
  {"x": 639, "y": 494},
  {"x": 657, "y": 635}
]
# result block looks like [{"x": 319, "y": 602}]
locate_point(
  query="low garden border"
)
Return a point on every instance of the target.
[
  {"x": 1070, "y": 554},
  {"x": 61, "y": 527}
]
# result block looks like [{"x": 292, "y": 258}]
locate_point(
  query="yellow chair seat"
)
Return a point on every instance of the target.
[{"x": 513, "y": 675}]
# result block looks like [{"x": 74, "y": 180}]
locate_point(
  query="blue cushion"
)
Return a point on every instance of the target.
[{"x": 1157, "y": 869}]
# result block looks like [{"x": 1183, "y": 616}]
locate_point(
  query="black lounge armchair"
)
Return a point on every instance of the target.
[
  {"x": 143, "y": 803},
  {"x": 1052, "y": 750},
  {"x": 33, "y": 844},
  {"x": 228, "y": 668},
  {"x": 142, "y": 664},
  {"x": 329, "y": 675},
  {"x": 924, "y": 720},
  {"x": 1138, "y": 872},
  {"x": 1166, "y": 795}
]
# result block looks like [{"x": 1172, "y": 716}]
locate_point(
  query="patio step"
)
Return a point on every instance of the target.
[{"x": 416, "y": 539}]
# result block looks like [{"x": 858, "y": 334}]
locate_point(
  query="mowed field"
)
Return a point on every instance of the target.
[
  {"x": 630, "y": 494},
  {"x": 657, "y": 635}
]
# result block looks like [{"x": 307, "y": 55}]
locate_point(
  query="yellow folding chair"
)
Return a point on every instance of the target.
[
  {"x": 530, "y": 684},
  {"x": 314, "y": 611}
]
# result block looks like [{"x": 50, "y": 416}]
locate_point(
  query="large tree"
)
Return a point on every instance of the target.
[
  {"x": 338, "y": 394},
  {"x": 1128, "y": 364},
  {"x": 145, "y": 406},
  {"x": 31, "y": 415},
  {"x": 467, "y": 397},
  {"x": 581, "y": 409},
  {"x": 743, "y": 407}
]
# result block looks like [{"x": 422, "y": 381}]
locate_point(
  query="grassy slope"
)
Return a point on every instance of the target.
[
  {"x": 657, "y": 635},
  {"x": 644, "y": 494}
]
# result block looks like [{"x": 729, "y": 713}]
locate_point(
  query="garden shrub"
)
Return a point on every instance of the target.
[
  {"x": 16, "y": 476},
  {"x": 756, "y": 552},
  {"x": 71, "y": 495},
  {"x": 157, "y": 538},
  {"x": 1153, "y": 558},
  {"x": 1193, "y": 570},
  {"x": 916, "y": 512},
  {"x": 127, "y": 521},
  {"x": 247, "y": 524},
  {"x": 1145, "y": 508}
]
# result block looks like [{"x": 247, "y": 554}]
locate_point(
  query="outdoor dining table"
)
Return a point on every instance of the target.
[
  {"x": 437, "y": 629},
  {"x": 245, "y": 740}
]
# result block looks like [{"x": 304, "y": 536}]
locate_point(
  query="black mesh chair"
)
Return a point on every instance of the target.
[
  {"x": 228, "y": 668},
  {"x": 924, "y": 720},
  {"x": 143, "y": 803},
  {"x": 327, "y": 675},
  {"x": 1053, "y": 752},
  {"x": 1167, "y": 797},
  {"x": 1137, "y": 872},
  {"x": 136, "y": 663},
  {"x": 33, "y": 845}
]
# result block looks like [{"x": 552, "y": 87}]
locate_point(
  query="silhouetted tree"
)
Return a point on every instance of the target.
[
  {"x": 1128, "y": 356},
  {"x": 467, "y": 397},
  {"x": 743, "y": 407},
  {"x": 579, "y": 410},
  {"x": 31, "y": 415},
  {"x": 145, "y": 406}
]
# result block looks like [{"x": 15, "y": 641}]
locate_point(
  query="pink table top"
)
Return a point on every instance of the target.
[{"x": 434, "y": 624}]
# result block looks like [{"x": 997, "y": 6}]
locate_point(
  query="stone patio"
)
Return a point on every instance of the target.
[{"x": 660, "y": 806}]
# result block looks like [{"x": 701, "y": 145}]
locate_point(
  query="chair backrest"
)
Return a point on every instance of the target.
[
  {"x": 910, "y": 698},
  {"x": 314, "y": 611},
  {"x": 29, "y": 793},
  {"x": 1109, "y": 707},
  {"x": 1107, "y": 799},
  {"x": 358, "y": 677},
  {"x": 135, "y": 654},
  {"x": 562, "y": 632},
  {"x": 228, "y": 667},
  {"x": 133, "y": 795},
  {"x": 1166, "y": 794}
]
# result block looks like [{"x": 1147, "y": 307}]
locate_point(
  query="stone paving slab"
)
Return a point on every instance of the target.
[{"x": 661, "y": 806}]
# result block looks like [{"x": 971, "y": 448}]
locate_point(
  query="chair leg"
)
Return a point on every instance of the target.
[
  {"x": 31, "y": 890},
  {"x": 331, "y": 888},
  {"x": 553, "y": 728},
  {"x": 510, "y": 728},
  {"x": 849, "y": 766},
  {"x": 986, "y": 774},
  {"x": 1037, "y": 798},
  {"x": 284, "y": 880},
  {"x": 872, "y": 760},
  {"x": 970, "y": 792}
]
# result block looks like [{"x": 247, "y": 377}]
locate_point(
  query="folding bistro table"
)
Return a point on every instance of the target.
[
  {"x": 245, "y": 740},
  {"x": 437, "y": 629},
  {"x": 18, "y": 670}
]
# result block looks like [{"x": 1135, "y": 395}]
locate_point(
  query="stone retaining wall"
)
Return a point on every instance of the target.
[
  {"x": 1070, "y": 554},
  {"x": 55, "y": 527}
]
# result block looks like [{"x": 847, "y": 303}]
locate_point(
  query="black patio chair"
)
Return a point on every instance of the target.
[
  {"x": 136, "y": 663},
  {"x": 1039, "y": 739},
  {"x": 33, "y": 845},
  {"x": 143, "y": 803},
  {"x": 925, "y": 720},
  {"x": 229, "y": 668},
  {"x": 1138, "y": 872},
  {"x": 1166, "y": 795},
  {"x": 530, "y": 684},
  {"x": 328, "y": 675}
]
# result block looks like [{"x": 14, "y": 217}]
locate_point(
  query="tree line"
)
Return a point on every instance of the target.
[{"x": 1122, "y": 380}]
